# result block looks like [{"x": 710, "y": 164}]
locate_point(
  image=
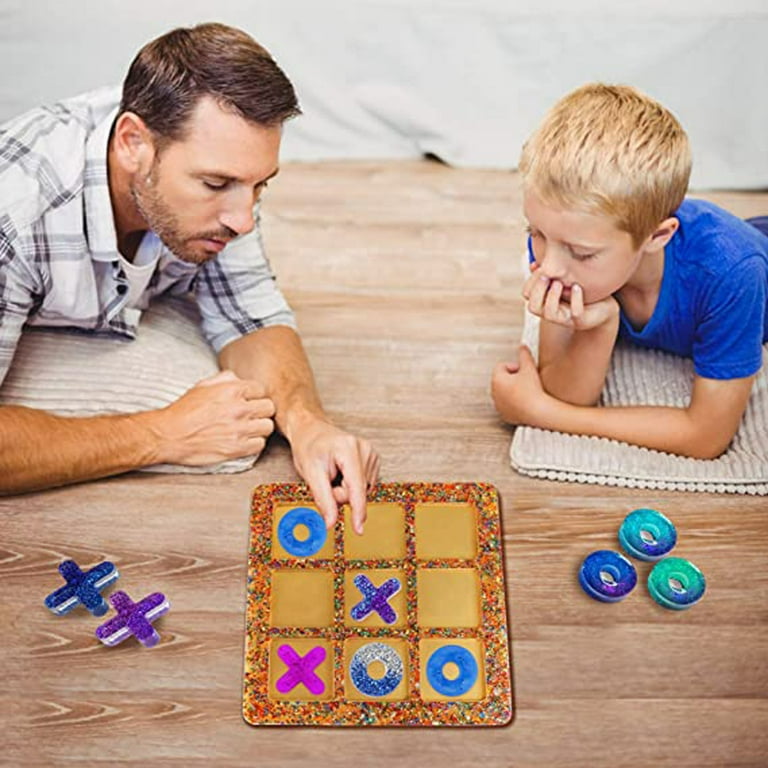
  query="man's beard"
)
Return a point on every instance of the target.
[{"x": 164, "y": 223}]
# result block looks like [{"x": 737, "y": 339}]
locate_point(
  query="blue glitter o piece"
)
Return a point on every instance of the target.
[
  {"x": 607, "y": 576},
  {"x": 659, "y": 539},
  {"x": 317, "y": 532},
  {"x": 676, "y": 584},
  {"x": 366, "y": 655},
  {"x": 463, "y": 659}
]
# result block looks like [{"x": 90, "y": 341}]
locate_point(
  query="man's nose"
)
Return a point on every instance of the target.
[{"x": 239, "y": 218}]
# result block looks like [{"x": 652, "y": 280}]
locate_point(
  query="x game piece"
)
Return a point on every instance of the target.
[
  {"x": 375, "y": 599},
  {"x": 133, "y": 619},
  {"x": 301, "y": 669},
  {"x": 82, "y": 587}
]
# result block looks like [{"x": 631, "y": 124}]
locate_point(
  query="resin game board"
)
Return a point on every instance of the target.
[{"x": 404, "y": 625}]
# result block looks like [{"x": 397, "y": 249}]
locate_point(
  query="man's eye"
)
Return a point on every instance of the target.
[{"x": 216, "y": 185}]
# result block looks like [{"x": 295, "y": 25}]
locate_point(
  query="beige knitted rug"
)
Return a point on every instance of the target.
[
  {"x": 78, "y": 374},
  {"x": 640, "y": 376}
]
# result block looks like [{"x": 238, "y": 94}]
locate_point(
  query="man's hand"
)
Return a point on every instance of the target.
[
  {"x": 221, "y": 417},
  {"x": 322, "y": 452},
  {"x": 546, "y": 300},
  {"x": 517, "y": 391}
]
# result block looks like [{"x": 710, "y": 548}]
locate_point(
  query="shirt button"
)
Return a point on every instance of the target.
[{"x": 121, "y": 289}]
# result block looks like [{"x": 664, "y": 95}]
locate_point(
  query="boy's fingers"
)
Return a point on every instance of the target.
[
  {"x": 577, "y": 301},
  {"x": 552, "y": 301}
]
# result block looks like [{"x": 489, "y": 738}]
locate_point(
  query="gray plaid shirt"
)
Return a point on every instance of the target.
[{"x": 59, "y": 262}]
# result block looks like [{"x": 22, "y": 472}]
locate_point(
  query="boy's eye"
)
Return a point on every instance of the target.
[{"x": 582, "y": 256}]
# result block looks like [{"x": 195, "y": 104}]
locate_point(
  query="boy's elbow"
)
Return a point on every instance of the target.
[{"x": 707, "y": 445}]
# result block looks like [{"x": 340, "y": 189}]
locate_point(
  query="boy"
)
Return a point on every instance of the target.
[{"x": 616, "y": 252}]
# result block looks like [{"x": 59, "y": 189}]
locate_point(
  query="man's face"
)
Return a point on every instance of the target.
[
  {"x": 200, "y": 191},
  {"x": 580, "y": 248}
]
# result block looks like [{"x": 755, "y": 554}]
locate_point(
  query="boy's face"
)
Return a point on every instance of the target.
[
  {"x": 580, "y": 248},
  {"x": 199, "y": 192}
]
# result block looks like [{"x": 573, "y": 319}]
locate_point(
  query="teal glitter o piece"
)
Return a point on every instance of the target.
[
  {"x": 317, "y": 532},
  {"x": 647, "y": 535},
  {"x": 676, "y": 584}
]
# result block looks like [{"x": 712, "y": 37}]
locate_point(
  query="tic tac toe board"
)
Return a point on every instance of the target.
[{"x": 405, "y": 624}]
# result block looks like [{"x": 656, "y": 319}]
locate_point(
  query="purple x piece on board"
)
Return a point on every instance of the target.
[
  {"x": 301, "y": 669},
  {"x": 375, "y": 599},
  {"x": 133, "y": 619}
]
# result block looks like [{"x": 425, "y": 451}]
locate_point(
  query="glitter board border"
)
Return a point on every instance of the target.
[{"x": 495, "y": 709}]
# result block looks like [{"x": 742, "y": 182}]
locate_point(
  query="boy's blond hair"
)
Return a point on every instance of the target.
[{"x": 609, "y": 149}]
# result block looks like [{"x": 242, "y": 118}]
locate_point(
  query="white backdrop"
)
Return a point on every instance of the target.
[{"x": 466, "y": 80}]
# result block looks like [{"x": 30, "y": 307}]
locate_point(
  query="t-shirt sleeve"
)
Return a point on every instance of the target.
[
  {"x": 17, "y": 295},
  {"x": 237, "y": 293},
  {"x": 729, "y": 334}
]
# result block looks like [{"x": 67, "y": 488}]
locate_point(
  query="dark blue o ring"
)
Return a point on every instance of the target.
[
  {"x": 652, "y": 523},
  {"x": 463, "y": 659},
  {"x": 317, "y": 532},
  {"x": 622, "y": 576}
]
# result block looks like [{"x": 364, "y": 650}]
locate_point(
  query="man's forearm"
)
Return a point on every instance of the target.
[
  {"x": 275, "y": 356},
  {"x": 573, "y": 364},
  {"x": 673, "y": 430},
  {"x": 40, "y": 450}
]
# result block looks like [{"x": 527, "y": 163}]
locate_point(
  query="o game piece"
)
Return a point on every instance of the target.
[
  {"x": 133, "y": 619},
  {"x": 676, "y": 584},
  {"x": 317, "y": 532},
  {"x": 463, "y": 659},
  {"x": 301, "y": 669},
  {"x": 607, "y": 576},
  {"x": 82, "y": 587},
  {"x": 647, "y": 535},
  {"x": 364, "y": 657}
]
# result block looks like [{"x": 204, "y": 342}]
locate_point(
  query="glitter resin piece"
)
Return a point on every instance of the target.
[
  {"x": 676, "y": 584},
  {"x": 133, "y": 619},
  {"x": 464, "y": 661},
  {"x": 607, "y": 576},
  {"x": 301, "y": 669},
  {"x": 361, "y": 678},
  {"x": 317, "y": 532},
  {"x": 82, "y": 588},
  {"x": 375, "y": 599},
  {"x": 647, "y": 535}
]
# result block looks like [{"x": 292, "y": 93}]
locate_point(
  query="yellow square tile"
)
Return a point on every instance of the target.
[
  {"x": 374, "y": 669},
  {"x": 302, "y": 598},
  {"x": 448, "y": 597},
  {"x": 286, "y": 687},
  {"x": 450, "y": 666},
  {"x": 383, "y": 536},
  {"x": 446, "y": 530},
  {"x": 300, "y": 531},
  {"x": 353, "y": 596}
]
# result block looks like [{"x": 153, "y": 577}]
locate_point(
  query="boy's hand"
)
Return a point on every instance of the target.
[
  {"x": 517, "y": 391},
  {"x": 547, "y": 299}
]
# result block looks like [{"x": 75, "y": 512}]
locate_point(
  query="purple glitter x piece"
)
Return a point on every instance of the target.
[
  {"x": 301, "y": 669},
  {"x": 82, "y": 588},
  {"x": 375, "y": 599},
  {"x": 133, "y": 619}
]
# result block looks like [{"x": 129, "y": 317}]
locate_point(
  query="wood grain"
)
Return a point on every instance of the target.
[{"x": 404, "y": 278}]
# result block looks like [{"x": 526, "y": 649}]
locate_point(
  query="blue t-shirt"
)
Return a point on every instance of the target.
[{"x": 713, "y": 301}]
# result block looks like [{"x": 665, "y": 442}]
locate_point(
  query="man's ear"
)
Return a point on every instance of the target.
[
  {"x": 662, "y": 234},
  {"x": 133, "y": 144}
]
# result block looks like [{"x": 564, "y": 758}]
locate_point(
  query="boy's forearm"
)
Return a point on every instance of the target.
[
  {"x": 574, "y": 370},
  {"x": 673, "y": 430},
  {"x": 39, "y": 450}
]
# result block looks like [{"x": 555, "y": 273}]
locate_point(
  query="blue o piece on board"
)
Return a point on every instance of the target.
[
  {"x": 317, "y": 532},
  {"x": 362, "y": 679},
  {"x": 676, "y": 584},
  {"x": 463, "y": 659},
  {"x": 607, "y": 576},
  {"x": 647, "y": 535}
]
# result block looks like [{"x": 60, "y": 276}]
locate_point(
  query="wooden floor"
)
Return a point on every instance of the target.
[{"x": 403, "y": 276}]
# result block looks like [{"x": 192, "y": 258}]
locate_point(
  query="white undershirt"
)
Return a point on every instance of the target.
[{"x": 139, "y": 272}]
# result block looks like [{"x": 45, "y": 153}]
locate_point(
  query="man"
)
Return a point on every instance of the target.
[{"x": 103, "y": 207}]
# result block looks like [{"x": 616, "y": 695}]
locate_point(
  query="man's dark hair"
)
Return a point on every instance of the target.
[{"x": 172, "y": 73}]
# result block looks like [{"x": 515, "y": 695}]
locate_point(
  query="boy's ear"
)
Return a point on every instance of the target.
[
  {"x": 132, "y": 142},
  {"x": 662, "y": 234}
]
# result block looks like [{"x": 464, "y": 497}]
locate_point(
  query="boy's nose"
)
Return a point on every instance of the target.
[{"x": 553, "y": 265}]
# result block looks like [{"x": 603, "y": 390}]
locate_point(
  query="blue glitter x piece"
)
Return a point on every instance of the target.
[
  {"x": 463, "y": 659},
  {"x": 647, "y": 535},
  {"x": 607, "y": 576},
  {"x": 364, "y": 657},
  {"x": 317, "y": 532},
  {"x": 375, "y": 599},
  {"x": 82, "y": 588}
]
